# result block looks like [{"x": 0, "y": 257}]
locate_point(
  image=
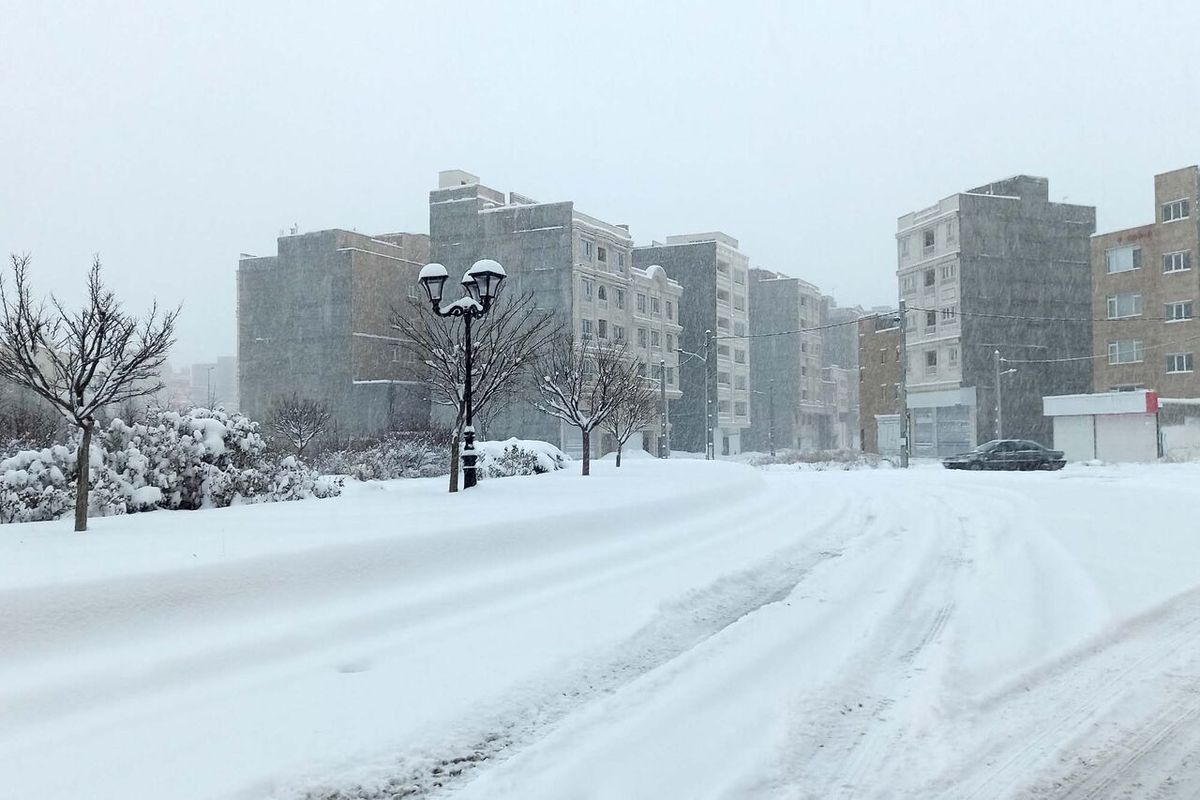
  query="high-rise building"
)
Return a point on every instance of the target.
[
  {"x": 574, "y": 264},
  {"x": 879, "y": 382},
  {"x": 1002, "y": 269},
  {"x": 1145, "y": 289},
  {"x": 714, "y": 275},
  {"x": 316, "y": 321},
  {"x": 786, "y": 373}
]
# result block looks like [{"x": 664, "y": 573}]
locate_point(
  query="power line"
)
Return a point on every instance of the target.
[
  {"x": 813, "y": 329},
  {"x": 1138, "y": 318},
  {"x": 1098, "y": 355}
]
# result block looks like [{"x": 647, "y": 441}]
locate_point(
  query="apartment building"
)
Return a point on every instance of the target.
[
  {"x": 839, "y": 351},
  {"x": 316, "y": 320},
  {"x": 714, "y": 275},
  {"x": 980, "y": 272},
  {"x": 572, "y": 263},
  {"x": 1145, "y": 290},
  {"x": 879, "y": 383},
  {"x": 786, "y": 371}
]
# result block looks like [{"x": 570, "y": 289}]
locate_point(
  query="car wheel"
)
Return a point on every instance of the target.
[{"x": 975, "y": 465}]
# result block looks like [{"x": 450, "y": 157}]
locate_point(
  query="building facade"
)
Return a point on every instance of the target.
[
  {"x": 997, "y": 268},
  {"x": 316, "y": 320},
  {"x": 714, "y": 275},
  {"x": 786, "y": 371},
  {"x": 573, "y": 264},
  {"x": 878, "y": 376},
  {"x": 1144, "y": 294}
]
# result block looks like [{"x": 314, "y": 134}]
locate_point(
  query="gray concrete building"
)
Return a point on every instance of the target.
[
  {"x": 215, "y": 384},
  {"x": 574, "y": 264},
  {"x": 714, "y": 275},
  {"x": 1005, "y": 250},
  {"x": 315, "y": 320},
  {"x": 878, "y": 384}
]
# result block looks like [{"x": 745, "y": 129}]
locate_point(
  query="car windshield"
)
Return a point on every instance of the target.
[{"x": 986, "y": 446}]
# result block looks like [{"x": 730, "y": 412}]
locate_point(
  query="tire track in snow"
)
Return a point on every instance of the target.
[{"x": 678, "y": 628}]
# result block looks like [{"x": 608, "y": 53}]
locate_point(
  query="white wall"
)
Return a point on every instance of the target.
[{"x": 1074, "y": 435}]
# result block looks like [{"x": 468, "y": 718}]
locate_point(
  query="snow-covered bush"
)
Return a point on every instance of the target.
[
  {"x": 197, "y": 459},
  {"x": 518, "y": 457},
  {"x": 816, "y": 460},
  {"x": 396, "y": 455}
]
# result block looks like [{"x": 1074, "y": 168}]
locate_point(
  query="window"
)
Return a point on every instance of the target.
[
  {"x": 928, "y": 240},
  {"x": 602, "y": 254},
  {"x": 739, "y": 409},
  {"x": 641, "y": 303},
  {"x": 723, "y": 267},
  {"x": 620, "y": 298},
  {"x": 723, "y": 323},
  {"x": 1123, "y": 259},
  {"x": 739, "y": 277},
  {"x": 931, "y": 362},
  {"x": 723, "y": 378},
  {"x": 670, "y": 343},
  {"x": 949, "y": 315},
  {"x": 670, "y": 310},
  {"x": 739, "y": 381},
  {"x": 952, "y": 356},
  {"x": 803, "y": 299},
  {"x": 931, "y": 319},
  {"x": 586, "y": 286},
  {"x": 1126, "y": 304},
  {"x": 1125, "y": 351},
  {"x": 739, "y": 302},
  {"x": 739, "y": 328},
  {"x": 654, "y": 308},
  {"x": 601, "y": 292},
  {"x": 723, "y": 350},
  {"x": 908, "y": 283},
  {"x": 951, "y": 231},
  {"x": 904, "y": 246},
  {"x": 618, "y": 333},
  {"x": 723, "y": 296},
  {"x": 670, "y": 376},
  {"x": 1179, "y": 362},
  {"x": 883, "y": 355},
  {"x": 948, "y": 272},
  {"x": 723, "y": 407},
  {"x": 803, "y": 371},
  {"x": 397, "y": 354},
  {"x": 621, "y": 260},
  {"x": 655, "y": 339},
  {"x": 641, "y": 337},
  {"x": 1177, "y": 262},
  {"x": 1176, "y": 209},
  {"x": 930, "y": 277},
  {"x": 585, "y": 328},
  {"x": 587, "y": 249},
  {"x": 602, "y": 329},
  {"x": 739, "y": 356},
  {"x": 657, "y": 372},
  {"x": 1178, "y": 311}
]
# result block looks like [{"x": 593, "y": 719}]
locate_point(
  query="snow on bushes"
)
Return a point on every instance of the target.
[
  {"x": 396, "y": 455},
  {"x": 197, "y": 459},
  {"x": 816, "y": 460},
  {"x": 518, "y": 457}
]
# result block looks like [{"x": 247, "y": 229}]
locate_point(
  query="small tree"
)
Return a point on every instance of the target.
[
  {"x": 636, "y": 408},
  {"x": 504, "y": 344},
  {"x": 582, "y": 384},
  {"x": 299, "y": 420},
  {"x": 80, "y": 361}
]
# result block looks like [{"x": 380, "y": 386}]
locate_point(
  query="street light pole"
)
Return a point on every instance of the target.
[
  {"x": 771, "y": 415},
  {"x": 999, "y": 403},
  {"x": 664, "y": 450},
  {"x": 480, "y": 285},
  {"x": 709, "y": 443},
  {"x": 902, "y": 386}
]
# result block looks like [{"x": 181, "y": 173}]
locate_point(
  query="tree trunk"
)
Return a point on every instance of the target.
[
  {"x": 455, "y": 453},
  {"x": 83, "y": 482},
  {"x": 587, "y": 452},
  {"x": 620, "y": 444}
]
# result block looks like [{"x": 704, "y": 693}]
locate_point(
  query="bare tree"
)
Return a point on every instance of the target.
[
  {"x": 583, "y": 383},
  {"x": 504, "y": 344},
  {"x": 636, "y": 408},
  {"x": 299, "y": 420},
  {"x": 80, "y": 361}
]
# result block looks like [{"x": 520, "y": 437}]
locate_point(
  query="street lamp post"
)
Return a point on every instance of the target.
[
  {"x": 480, "y": 285},
  {"x": 999, "y": 400},
  {"x": 770, "y": 413}
]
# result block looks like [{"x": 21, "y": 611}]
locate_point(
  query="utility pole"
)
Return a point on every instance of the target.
[
  {"x": 999, "y": 404},
  {"x": 902, "y": 386},
  {"x": 709, "y": 448},
  {"x": 771, "y": 415},
  {"x": 664, "y": 449}
]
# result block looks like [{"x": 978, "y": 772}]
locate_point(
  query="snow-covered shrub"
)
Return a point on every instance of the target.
[
  {"x": 816, "y": 460},
  {"x": 34, "y": 485},
  {"x": 197, "y": 459},
  {"x": 518, "y": 457},
  {"x": 396, "y": 455}
]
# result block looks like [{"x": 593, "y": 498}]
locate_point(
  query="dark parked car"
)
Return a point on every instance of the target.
[{"x": 1007, "y": 454}]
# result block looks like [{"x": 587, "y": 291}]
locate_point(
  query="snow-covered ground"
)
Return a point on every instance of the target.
[{"x": 669, "y": 629}]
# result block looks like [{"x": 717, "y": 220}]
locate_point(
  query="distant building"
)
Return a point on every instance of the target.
[
  {"x": 786, "y": 370},
  {"x": 574, "y": 264},
  {"x": 714, "y": 275},
  {"x": 214, "y": 384},
  {"x": 839, "y": 350},
  {"x": 1146, "y": 280},
  {"x": 879, "y": 383},
  {"x": 1003, "y": 250},
  {"x": 315, "y": 320}
]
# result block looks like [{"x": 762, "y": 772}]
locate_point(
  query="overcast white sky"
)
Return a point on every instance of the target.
[{"x": 170, "y": 137}]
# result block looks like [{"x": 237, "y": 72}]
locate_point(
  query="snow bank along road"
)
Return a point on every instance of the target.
[{"x": 679, "y": 629}]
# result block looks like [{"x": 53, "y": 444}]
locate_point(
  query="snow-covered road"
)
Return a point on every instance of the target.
[{"x": 678, "y": 629}]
